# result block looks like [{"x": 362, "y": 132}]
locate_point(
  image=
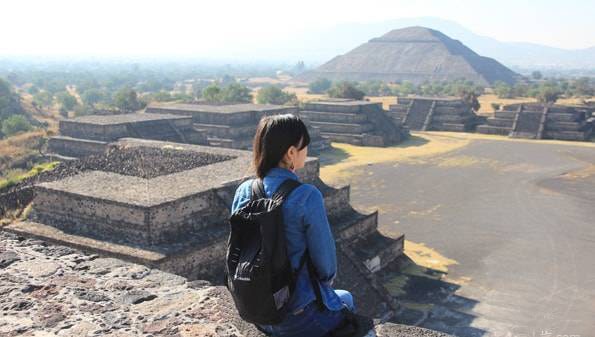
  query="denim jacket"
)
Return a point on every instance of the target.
[{"x": 307, "y": 225}]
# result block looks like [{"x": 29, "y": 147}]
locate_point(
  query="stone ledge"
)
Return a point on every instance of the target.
[{"x": 55, "y": 290}]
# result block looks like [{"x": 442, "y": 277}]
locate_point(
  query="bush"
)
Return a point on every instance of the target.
[
  {"x": 66, "y": 100},
  {"x": 345, "y": 90},
  {"x": 127, "y": 100},
  {"x": 15, "y": 124},
  {"x": 274, "y": 95},
  {"x": 233, "y": 93},
  {"x": 320, "y": 86}
]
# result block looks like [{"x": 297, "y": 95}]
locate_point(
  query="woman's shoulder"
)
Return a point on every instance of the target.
[{"x": 306, "y": 192}]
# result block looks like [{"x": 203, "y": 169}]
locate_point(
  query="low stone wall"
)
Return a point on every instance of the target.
[{"x": 76, "y": 147}]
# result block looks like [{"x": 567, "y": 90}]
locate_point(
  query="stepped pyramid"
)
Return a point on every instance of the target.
[
  {"x": 176, "y": 220},
  {"x": 414, "y": 54},
  {"x": 434, "y": 114},
  {"x": 90, "y": 135},
  {"x": 234, "y": 125},
  {"x": 355, "y": 122},
  {"x": 539, "y": 121}
]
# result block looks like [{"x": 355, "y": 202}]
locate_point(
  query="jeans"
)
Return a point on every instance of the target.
[{"x": 311, "y": 322}]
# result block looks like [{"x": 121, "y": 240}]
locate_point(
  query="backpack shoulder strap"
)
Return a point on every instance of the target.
[
  {"x": 287, "y": 186},
  {"x": 257, "y": 189}
]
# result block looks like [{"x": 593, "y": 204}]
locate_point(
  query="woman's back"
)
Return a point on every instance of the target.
[
  {"x": 280, "y": 147},
  {"x": 306, "y": 227}
]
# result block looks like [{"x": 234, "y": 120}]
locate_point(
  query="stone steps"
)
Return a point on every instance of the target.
[
  {"x": 323, "y": 116},
  {"x": 564, "y": 126},
  {"x": 226, "y": 131},
  {"x": 569, "y": 135},
  {"x": 343, "y": 127},
  {"x": 460, "y": 119},
  {"x": 500, "y": 122},
  {"x": 243, "y": 143},
  {"x": 505, "y": 114},
  {"x": 326, "y": 107},
  {"x": 453, "y": 127},
  {"x": 378, "y": 250},
  {"x": 353, "y": 225},
  {"x": 563, "y": 117},
  {"x": 493, "y": 130},
  {"x": 354, "y": 139}
]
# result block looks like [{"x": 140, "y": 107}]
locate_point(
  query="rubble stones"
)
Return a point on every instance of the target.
[{"x": 88, "y": 301}]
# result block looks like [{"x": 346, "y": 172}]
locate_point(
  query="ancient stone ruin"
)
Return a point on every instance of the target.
[
  {"x": 539, "y": 121},
  {"x": 234, "y": 125},
  {"x": 165, "y": 205},
  {"x": 354, "y": 122},
  {"x": 434, "y": 114},
  {"x": 87, "y": 135}
]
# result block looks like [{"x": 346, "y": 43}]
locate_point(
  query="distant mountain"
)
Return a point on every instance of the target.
[
  {"x": 316, "y": 46},
  {"x": 414, "y": 54}
]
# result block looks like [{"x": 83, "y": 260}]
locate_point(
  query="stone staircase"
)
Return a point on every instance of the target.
[
  {"x": 353, "y": 122},
  {"x": 434, "y": 114},
  {"x": 538, "y": 121}
]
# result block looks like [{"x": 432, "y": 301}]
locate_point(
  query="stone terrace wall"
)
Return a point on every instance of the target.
[{"x": 50, "y": 290}]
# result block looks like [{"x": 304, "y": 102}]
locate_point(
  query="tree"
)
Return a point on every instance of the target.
[
  {"x": 126, "y": 100},
  {"x": 536, "y": 75},
  {"x": 15, "y": 124},
  {"x": 274, "y": 95},
  {"x": 345, "y": 90},
  {"x": 66, "y": 100},
  {"x": 43, "y": 99},
  {"x": 470, "y": 97},
  {"x": 92, "y": 96},
  {"x": 320, "y": 86},
  {"x": 236, "y": 93},
  {"x": 10, "y": 102},
  {"x": 582, "y": 87},
  {"x": 503, "y": 90},
  {"x": 163, "y": 96},
  {"x": 548, "y": 94},
  {"x": 211, "y": 94}
]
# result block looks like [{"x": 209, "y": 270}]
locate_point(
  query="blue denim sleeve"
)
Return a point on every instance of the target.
[
  {"x": 240, "y": 195},
  {"x": 319, "y": 238}
]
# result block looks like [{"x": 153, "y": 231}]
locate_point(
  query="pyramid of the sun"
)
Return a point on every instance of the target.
[{"x": 414, "y": 54}]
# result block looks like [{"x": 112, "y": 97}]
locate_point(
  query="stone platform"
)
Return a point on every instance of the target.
[
  {"x": 89, "y": 135},
  {"x": 234, "y": 125},
  {"x": 354, "y": 122},
  {"x": 434, "y": 114},
  {"x": 538, "y": 121},
  {"x": 175, "y": 218},
  {"x": 54, "y": 290}
]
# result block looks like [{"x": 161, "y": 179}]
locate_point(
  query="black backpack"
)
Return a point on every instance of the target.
[{"x": 258, "y": 272}]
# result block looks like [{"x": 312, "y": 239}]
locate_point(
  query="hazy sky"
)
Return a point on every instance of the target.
[{"x": 127, "y": 27}]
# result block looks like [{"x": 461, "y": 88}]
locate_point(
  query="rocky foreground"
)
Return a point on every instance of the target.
[{"x": 49, "y": 290}]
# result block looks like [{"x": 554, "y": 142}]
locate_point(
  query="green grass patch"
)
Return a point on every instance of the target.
[{"x": 18, "y": 176}]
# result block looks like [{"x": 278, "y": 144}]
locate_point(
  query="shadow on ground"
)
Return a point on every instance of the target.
[{"x": 428, "y": 299}]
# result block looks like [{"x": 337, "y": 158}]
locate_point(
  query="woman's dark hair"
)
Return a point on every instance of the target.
[{"x": 274, "y": 136}]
